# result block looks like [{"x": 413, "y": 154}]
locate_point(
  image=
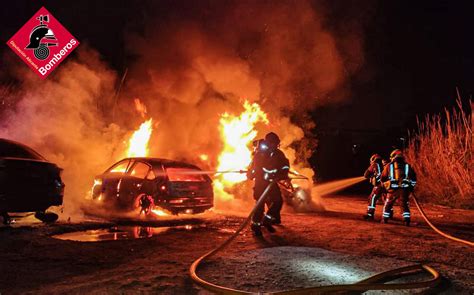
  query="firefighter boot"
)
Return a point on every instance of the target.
[
  {"x": 386, "y": 215},
  {"x": 257, "y": 231},
  {"x": 267, "y": 223},
  {"x": 391, "y": 214},
  {"x": 406, "y": 217},
  {"x": 406, "y": 221},
  {"x": 273, "y": 220},
  {"x": 370, "y": 215}
]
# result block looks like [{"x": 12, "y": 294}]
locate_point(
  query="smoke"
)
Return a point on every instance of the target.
[
  {"x": 60, "y": 117},
  {"x": 279, "y": 54},
  {"x": 282, "y": 54},
  {"x": 191, "y": 66}
]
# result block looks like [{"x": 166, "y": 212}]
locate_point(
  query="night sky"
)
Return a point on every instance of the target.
[{"x": 416, "y": 54}]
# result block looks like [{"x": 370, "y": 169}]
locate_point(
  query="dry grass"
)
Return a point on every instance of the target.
[{"x": 442, "y": 154}]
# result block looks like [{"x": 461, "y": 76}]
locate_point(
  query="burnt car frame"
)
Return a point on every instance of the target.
[
  {"x": 143, "y": 183},
  {"x": 28, "y": 182}
]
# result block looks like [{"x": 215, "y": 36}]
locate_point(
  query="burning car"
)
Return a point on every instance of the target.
[
  {"x": 141, "y": 183},
  {"x": 28, "y": 182}
]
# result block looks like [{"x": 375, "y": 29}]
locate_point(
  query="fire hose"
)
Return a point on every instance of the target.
[
  {"x": 436, "y": 229},
  {"x": 375, "y": 282},
  {"x": 207, "y": 172}
]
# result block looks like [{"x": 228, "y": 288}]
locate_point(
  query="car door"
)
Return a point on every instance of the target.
[
  {"x": 112, "y": 178},
  {"x": 135, "y": 182}
]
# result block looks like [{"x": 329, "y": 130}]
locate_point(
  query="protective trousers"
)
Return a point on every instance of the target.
[
  {"x": 274, "y": 203},
  {"x": 375, "y": 195},
  {"x": 392, "y": 197}
]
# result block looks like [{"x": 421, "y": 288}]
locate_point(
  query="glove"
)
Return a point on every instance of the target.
[{"x": 250, "y": 174}]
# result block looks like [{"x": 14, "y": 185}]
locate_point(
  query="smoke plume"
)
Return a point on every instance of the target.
[
  {"x": 60, "y": 117},
  {"x": 191, "y": 67}
]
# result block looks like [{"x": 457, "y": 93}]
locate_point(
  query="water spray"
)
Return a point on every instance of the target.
[
  {"x": 211, "y": 172},
  {"x": 337, "y": 185}
]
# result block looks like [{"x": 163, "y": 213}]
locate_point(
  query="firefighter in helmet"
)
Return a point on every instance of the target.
[
  {"x": 269, "y": 164},
  {"x": 373, "y": 173},
  {"x": 399, "y": 179}
]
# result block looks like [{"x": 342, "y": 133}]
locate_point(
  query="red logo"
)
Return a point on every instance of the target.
[{"x": 43, "y": 43}]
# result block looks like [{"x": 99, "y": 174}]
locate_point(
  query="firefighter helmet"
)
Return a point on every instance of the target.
[
  {"x": 396, "y": 154},
  {"x": 375, "y": 157},
  {"x": 272, "y": 139}
]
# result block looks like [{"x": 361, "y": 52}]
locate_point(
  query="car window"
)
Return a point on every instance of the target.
[
  {"x": 9, "y": 149},
  {"x": 159, "y": 171},
  {"x": 140, "y": 170},
  {"x": 184, "y": 174},
  {"x": 151, "y": 175},
  {"x": 120, "y": 167}
]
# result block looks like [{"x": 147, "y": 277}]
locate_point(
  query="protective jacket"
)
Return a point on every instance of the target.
[
  {"x": 266, "y": 167},
  {"x": 374, "y": 172},
  {"x": 398, "y": 175}
]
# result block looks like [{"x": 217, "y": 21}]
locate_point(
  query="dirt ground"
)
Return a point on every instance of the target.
[{"x": 31, "y": 261}]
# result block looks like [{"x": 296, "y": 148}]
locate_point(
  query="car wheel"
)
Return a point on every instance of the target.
[
  {"x": 144, "y": 203},
  {"x": 46, "y": 217}
]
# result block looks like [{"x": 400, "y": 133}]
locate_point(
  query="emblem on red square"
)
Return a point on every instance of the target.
[{"x": 43, "y": 43}]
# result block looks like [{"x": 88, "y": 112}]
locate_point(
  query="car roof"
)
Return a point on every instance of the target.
[
  {"x": 161, "y": 161},
  {"x": 13, "y": 149}
]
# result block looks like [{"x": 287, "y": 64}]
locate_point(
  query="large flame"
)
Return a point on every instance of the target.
[
  {"x": 138, "y": 142},
  {"x": 237, "y": 133}
]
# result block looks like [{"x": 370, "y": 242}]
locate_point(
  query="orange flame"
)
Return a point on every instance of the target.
[
  {"x": 237, "y": 133},
  {"x": 140, "y": 107},
  {"x": 159, "y": 212},
  {"x": 138, "y": 143}
]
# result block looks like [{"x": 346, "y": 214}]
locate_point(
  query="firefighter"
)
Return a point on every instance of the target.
[
  {"x": 373, "y": 173},
  {"x": 146, "y": 204},
  {"x": 269, "y": 164},
  {"x": 399, "y": 179}
]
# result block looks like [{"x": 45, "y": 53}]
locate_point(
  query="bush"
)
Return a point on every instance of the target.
[{"x": 441, "y": 153}]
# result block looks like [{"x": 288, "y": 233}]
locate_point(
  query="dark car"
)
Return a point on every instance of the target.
[
  {"x": 28, "y": 182},
  {"x": 142, "y": 183}
]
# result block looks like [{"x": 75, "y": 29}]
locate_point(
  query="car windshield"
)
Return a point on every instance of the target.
[
  {"x": 10, "y": 149},
  {"x": 120, "y": 167},
  {"x": 184, "y": 174}
]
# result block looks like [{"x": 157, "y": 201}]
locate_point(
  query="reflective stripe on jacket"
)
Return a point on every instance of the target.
[{"x": 398, "y": 175}]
